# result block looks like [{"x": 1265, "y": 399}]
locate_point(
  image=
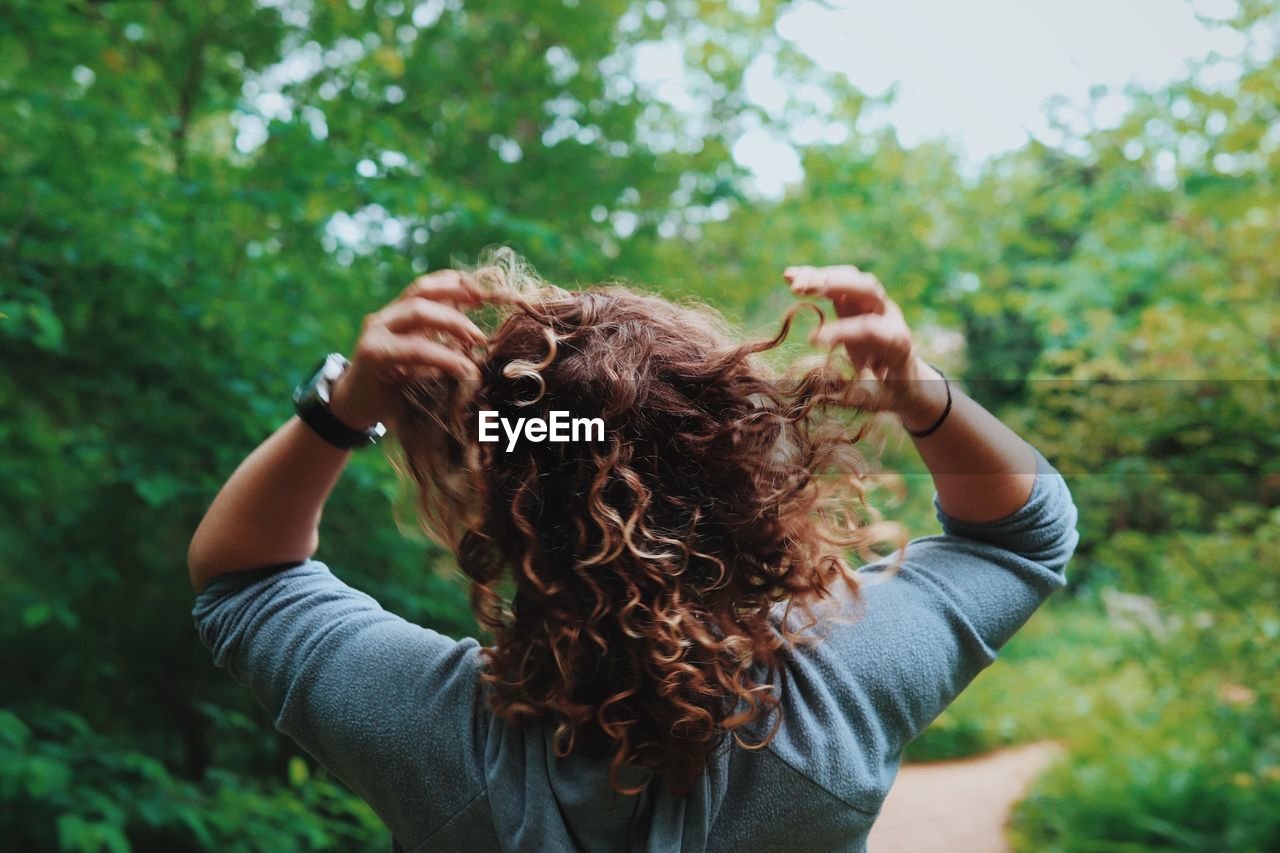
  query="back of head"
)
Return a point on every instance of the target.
[{"x": 629, "y": 582}]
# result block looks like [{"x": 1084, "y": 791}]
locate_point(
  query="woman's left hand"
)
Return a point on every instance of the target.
[{"x": 874, "y": 332}]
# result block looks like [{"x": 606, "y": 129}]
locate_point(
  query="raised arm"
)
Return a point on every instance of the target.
[
  {"x": 925, "y": 626},
  {"x": 268, "y": 512},
  {"x": 982, "y": 470}
]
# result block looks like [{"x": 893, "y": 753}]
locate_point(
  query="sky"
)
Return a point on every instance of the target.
[{"x": 979, "y": 72}]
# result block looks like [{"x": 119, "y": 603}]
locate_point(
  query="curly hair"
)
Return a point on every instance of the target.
[{"x": 630, "y": 585}]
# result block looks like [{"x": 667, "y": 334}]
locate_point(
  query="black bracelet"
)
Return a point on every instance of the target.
[{"x": 924, "y": 433}]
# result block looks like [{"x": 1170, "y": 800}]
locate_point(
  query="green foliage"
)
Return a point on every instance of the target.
[
  {"x": 67, "y": 788},
  {"x": 1196, "y": 763},
  {"x": 197, "y": 199},
  {"x": 1191, "y": 771}
]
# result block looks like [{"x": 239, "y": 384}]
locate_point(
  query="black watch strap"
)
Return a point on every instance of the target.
[{"x": 313, "y": 412}]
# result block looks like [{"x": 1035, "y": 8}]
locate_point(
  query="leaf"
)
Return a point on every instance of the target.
[
  {"x": 46, "y": 777},
  {"x": 12, "y": 730},
  {"x": 159, "y": 490},
  {"x": 391, "y": 60},
  {"x": 35, "y": 615},
  {"x": 298, "y": 771},
  {"x": 48, "y": 328}
]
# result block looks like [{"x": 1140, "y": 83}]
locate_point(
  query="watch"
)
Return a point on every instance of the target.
[{"x": 311, "y": 402}]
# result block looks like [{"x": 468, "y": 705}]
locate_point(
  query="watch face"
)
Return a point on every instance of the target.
[{"x": 330, "y": 369}]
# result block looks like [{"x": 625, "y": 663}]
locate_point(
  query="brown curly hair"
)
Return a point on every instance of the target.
[{"x": 630, "y": 585}]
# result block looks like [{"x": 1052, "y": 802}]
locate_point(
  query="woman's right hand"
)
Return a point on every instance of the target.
[{"x": 421, "y": 332}]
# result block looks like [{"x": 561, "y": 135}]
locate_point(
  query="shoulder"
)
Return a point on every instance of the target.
[
  {"x": 834, "y": 731},
  {"x": 393, "y": 709}
]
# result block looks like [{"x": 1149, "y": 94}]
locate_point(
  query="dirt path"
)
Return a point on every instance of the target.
[{"x": 959, "y": 806}]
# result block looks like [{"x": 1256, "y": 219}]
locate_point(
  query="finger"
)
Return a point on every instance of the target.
[
  {"x": 874, "y": 328},
  {"x": 852, "y": 290},
  {"x": 871, "y": 339},
  {"x": 392, "y": 354},
  {"x": 803, "y": 277},
  {"x": 445, "y": 286},
  {"x": 416, "y": 314}
]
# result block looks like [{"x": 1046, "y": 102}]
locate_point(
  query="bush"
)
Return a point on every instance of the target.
[
  {"x": 66, "y": 788},
  {"x": 1193, "y": 773},
  {"x": 1196, "y": 764}
]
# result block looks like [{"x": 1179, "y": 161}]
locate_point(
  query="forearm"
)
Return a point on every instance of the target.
[
  {"x": 982, "y": 470},
  {"x": 268, "y": 512}
]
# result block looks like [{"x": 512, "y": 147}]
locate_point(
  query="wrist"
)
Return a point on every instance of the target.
[
  {"x": 923, "y": 398},
  {"x": 346, "y": 408},
  {"x": 334, "y": 407}
]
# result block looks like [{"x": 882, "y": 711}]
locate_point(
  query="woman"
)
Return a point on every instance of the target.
[{"x": 681, "y": 657}]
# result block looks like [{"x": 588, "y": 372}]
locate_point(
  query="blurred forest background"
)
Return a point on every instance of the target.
[{"x": 198, "y": 198}]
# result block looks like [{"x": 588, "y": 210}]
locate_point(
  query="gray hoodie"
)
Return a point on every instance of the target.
[{"x": 394, "y": 710}]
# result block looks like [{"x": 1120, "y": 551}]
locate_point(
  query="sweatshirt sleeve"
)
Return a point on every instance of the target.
[
  {"x": 389, "y": 707},
  {"x": 889, "y": 663}
]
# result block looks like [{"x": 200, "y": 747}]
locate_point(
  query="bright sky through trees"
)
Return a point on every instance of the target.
[{"x": 981, "y": 72}]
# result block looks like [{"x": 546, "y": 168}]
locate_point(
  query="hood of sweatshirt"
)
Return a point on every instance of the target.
[{"x": 542, "y": 802}]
